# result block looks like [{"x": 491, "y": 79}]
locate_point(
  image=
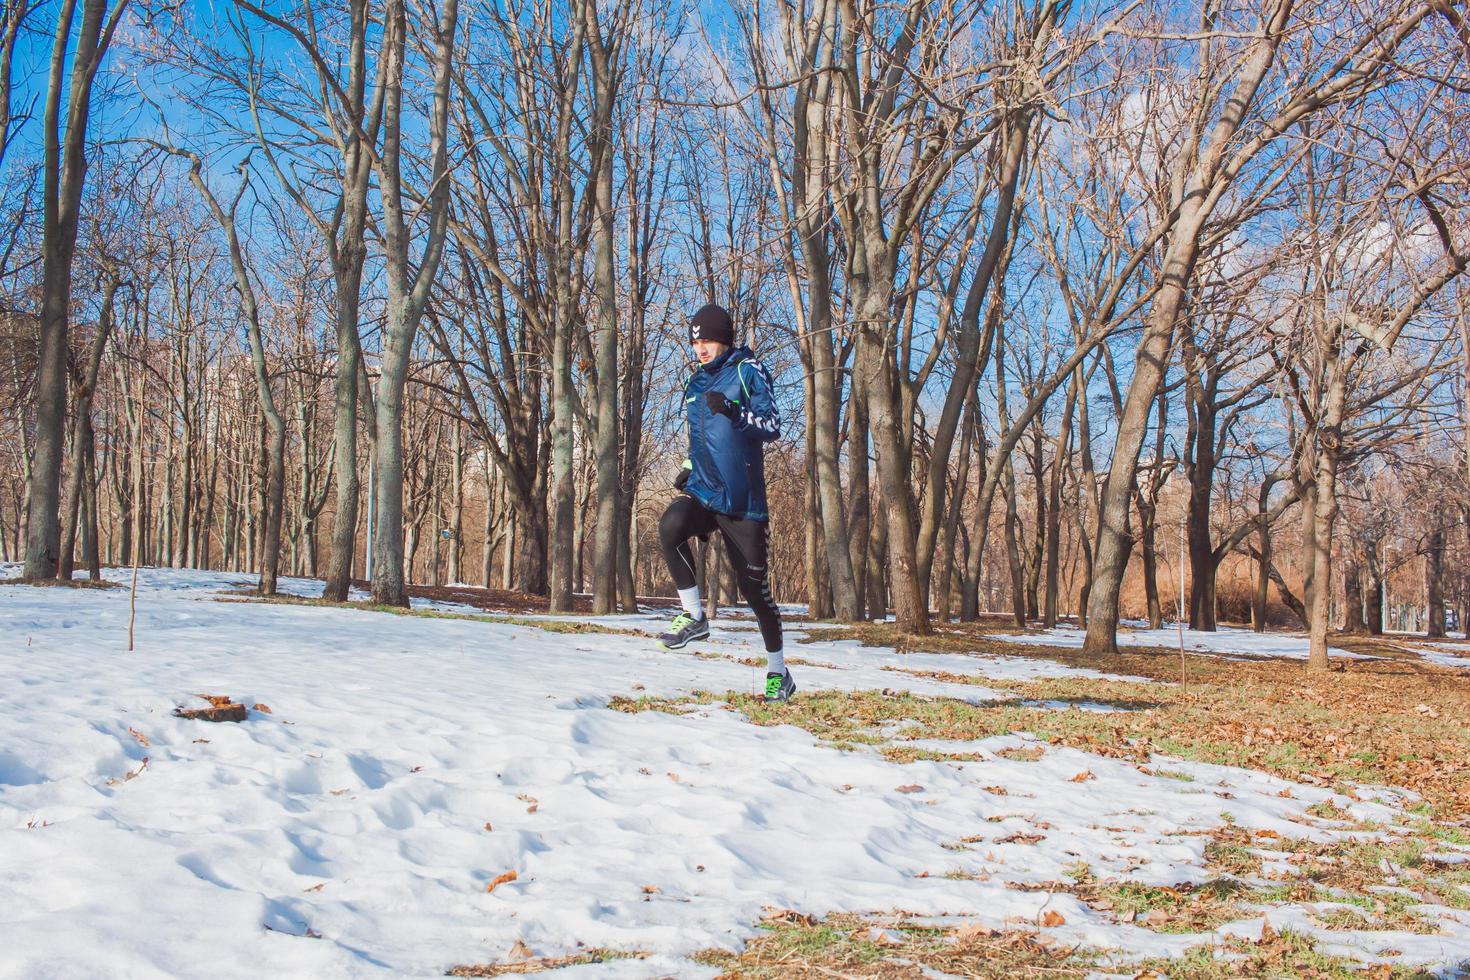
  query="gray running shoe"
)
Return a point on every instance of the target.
[
  {"x": 780, "y": 687},
  {"x": 685, "y": 629}
]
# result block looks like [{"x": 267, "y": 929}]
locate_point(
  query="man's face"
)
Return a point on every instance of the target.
[{"x": 708, "y": 350}]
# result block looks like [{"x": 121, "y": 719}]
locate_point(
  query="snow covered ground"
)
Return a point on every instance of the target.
[
  {"x": 1227, "y": 640},
  {"x": 406, "y": 763},
  {"x": 1446, "y": 654}
]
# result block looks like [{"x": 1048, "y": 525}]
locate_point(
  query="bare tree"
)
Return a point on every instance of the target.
[
  {"x": 1230, "y": 125},
  {"x": 65, "y": 170}
]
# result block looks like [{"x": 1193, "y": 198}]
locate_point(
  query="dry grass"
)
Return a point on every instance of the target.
[
  {"x": 899, "y": 948},
  {"x": 543, "y": 964},
  {"x": 795, "y": 946},
  {"x": 1374, "y": 735},
  {"x": 1387, "y": 722},
  {"x": 1374, "y": 722},
  {"x": 53, "y": 583}
]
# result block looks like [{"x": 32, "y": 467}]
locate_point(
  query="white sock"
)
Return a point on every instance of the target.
[
  {"x": 693, "y": 605},
  {"x": 775, "y": 662}
]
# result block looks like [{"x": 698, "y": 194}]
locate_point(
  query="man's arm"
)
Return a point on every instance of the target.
[{"x": 757, "y": 415}]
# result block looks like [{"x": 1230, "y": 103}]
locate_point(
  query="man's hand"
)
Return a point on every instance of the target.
[{"x": 719, "y": 404}]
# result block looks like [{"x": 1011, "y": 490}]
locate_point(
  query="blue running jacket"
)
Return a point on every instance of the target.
[{"x": 727, "y": 469}]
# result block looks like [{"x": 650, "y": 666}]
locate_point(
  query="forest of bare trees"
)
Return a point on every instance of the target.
[{"x": 1066, "y": 302}]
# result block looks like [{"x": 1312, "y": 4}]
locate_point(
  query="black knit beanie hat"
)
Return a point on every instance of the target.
[{"x": 712, "y": 323}]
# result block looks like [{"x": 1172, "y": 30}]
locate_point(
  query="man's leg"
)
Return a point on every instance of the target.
[
  {"x": 748, "y": 545},
  {"x": 685, "y": 518}
]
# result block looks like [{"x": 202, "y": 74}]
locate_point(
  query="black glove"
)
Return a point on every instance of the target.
[
  {"x": 719, "y": 404},
  {"x": 682, "y": 478}
]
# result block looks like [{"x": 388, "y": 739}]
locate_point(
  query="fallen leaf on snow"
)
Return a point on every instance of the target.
[
  {"x": 142, "y": 739},
  {"x": 520, "y": 951},
  {"x": 501, "y": 879},
  {"x": 262, "y": 708},
  {"x": 911, "y": 788},
  {"x": 1083, "y": 776},
  {"x": 132, "y": 774},
  {"x": 1053, "y": 918}
]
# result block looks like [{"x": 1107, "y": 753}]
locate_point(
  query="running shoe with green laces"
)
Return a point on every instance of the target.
[
  {"x": 685, "y": 629},
  {"x": 780, "y": 687}
]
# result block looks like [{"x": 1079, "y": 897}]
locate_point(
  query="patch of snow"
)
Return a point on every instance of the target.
[
  {"x": 1228, "y": 641},
  {"x": 358, "y": 827},
  {"x": 1441, "y": 656}
]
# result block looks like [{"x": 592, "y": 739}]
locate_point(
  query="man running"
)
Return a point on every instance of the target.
[{"x": 731, "y": 410}]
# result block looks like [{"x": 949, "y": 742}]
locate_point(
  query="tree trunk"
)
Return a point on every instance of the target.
[
  {"x": 818, "y": 582},
  {"x": 952, "y": 519},
  {"x": 1352, "y": 595},
  {"x": 1054, "y": 506},
  {"x": 456, "y": 505},
  {"x": 909, "y": 606},
  {"x": 89, "y": 513},
  {"x": 860, "y": 497},
  {"x": 1263, "y": 577},
  {"x": 1329, "y": 445},
  {"x": 65, "y": 172},
  {"x": 1114, "y": 540},
  {"x": 1309, "y": 545},
  {"x": 408, "y": 283},
  {"x": 604, "y": 52},
  {"x": 877, "y": 573},
  {"x": 1148, "y": 552},
  {"x": 1433, "y": 583},
  {"x": 811, "y": 167},
  {"x": 1013, "y": 552}
]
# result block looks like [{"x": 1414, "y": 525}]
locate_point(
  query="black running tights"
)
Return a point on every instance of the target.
[{"x": 746, "y": 543}]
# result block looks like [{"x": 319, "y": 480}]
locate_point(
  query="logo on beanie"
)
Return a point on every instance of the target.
[{"x": 711, "y": 322}]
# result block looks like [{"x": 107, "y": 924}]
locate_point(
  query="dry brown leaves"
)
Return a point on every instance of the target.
[
  {"x": 1395, "y": 721},
  {"x": 523, "y": 960},
  {"x": 130, "y": 774},
  {"x": 501, "y": 879}
]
